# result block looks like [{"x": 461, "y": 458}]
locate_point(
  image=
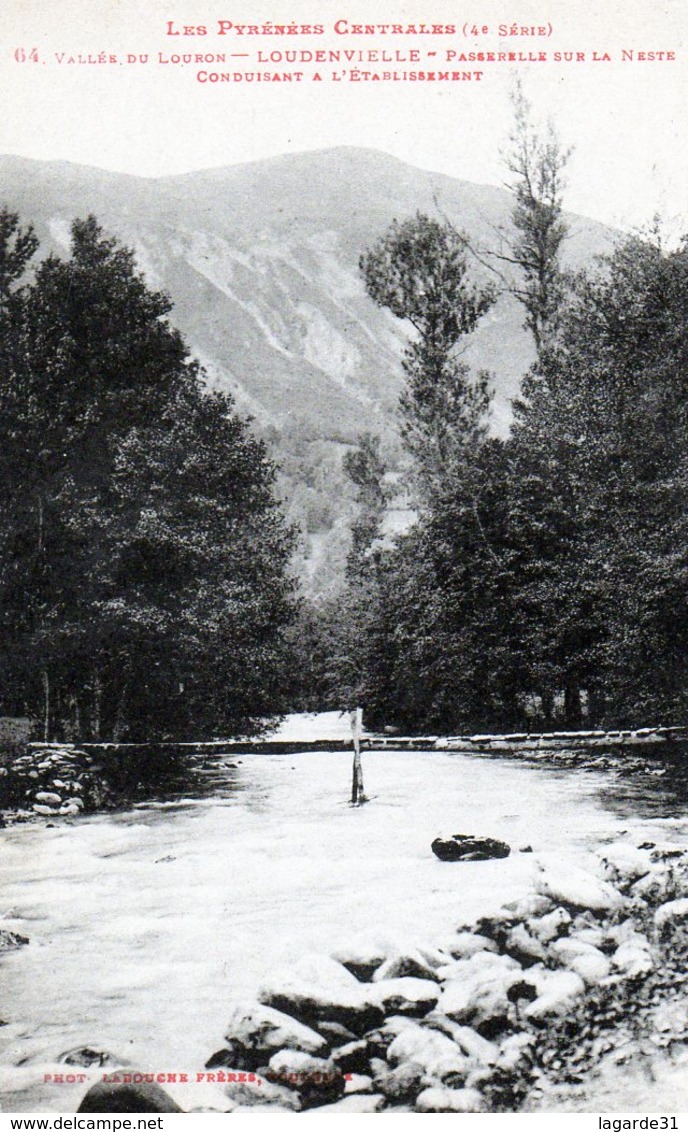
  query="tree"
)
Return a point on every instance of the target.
[
  {"x": 438, "y": 630},
  {"x": 365, "y": 467},
  {"x": 599, "y": 481},
  {"x": 418, "y": 271},
  {"x": 144, "y": 572},
  {"x": 537, "y": 165}
]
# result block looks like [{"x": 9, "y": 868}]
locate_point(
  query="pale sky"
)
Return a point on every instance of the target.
[{"x": 626, "y": 118}]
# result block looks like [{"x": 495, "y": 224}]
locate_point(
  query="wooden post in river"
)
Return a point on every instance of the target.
[{"x": 357, "y": 795}]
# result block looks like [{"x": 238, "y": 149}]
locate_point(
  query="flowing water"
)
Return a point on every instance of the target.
[{"x": 146, "y": 923}]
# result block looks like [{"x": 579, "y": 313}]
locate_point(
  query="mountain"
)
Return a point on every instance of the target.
[{"x": 261, "y": 262}]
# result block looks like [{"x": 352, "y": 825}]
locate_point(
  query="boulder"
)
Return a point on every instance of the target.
[
  {"x": 414, "y": 997},
  {"x": 379, "y": 1040},
  {"x": 47, "y": 798},
  {"x": 515, "y": 1052},
  {"x": 318, "y": 989},
  {"x": 532, "y": 905},
  {"x": 85, "y": 1057},
  {"x": 354, "y": 1057},
  {"x": 352, "y": 1008},
  {"x": 523, "y": 947},
  {"x": 671, "y": 914},
  {"x": 632, "y": 960},
  {"x": 261, "y": 1030},
  {"x": 479, "y": 1049},
  {"x": 479, "y": 992},
  {"x": 558, "y": 991},
  {"x": 583, "y": 958},
  {"x": 403, "y": 1083},
  {"x": 576, "y": 888},
  {"x": 660, "y": 885},
  {"x": 450, "y": 1100},
  {"x": 437, "y": 1055},
  {"x": 465, "y": 943},
  {"x": 550, "y": 926},
  {"x": 316, "y": 1080},
  {"x": 106, "y": 1096},
  {"x": 335, "y": 1033},
  {"x": 467, "y": 847},
  {"x": 624, "y": 863}
]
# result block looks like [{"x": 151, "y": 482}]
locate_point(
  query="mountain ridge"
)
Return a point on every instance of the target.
[{"x": 261, "y": 263}]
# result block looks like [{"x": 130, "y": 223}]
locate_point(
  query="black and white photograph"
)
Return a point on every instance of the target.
[{"x": 344, "y": 560}]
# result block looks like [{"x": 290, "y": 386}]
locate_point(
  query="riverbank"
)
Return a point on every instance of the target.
[{"x": 526, "y": 1008}]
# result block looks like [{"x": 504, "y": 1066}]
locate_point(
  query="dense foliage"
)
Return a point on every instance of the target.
[
  {"x": 144, "y": 582},
  {"x": 546, "y": 579}
]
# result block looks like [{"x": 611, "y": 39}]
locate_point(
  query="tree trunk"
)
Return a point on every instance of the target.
[
  {"x": 572, "y": 706},
  {"x": 357, "y": 795},
  {"x": 46, "y": 705},
  {"x": 97, "y": 704},
  {"x": 120, "y": 718},
  {"x": 40, "y": 524},
  {"x": 77, "y": 718}
]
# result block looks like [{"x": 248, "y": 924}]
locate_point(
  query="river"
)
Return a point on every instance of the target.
[{"x": 144, "y": 924}]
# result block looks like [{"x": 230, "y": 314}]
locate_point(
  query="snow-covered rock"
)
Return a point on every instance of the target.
[
  {"x": 550, "y": 926},
  {"x": 266, "y": 1092},
  {"x": 672, "y": 913},
  {"x": 261, "y": 1028},
  {"x": 534, "y": 904},
  {"x": 623, "y": 862},
  {"x": 575, "y": 887},
  {"x": 480, "y": 994},
  {"x": 437, "y": 1055},
  {"x": 353, "y": 1057},
  {"x": 406, "y": 995},
  {"x": 583, "y": 958},
  {"x": 660, "y": 885},
  {"x": 631, "y": 959},
  {"x": 464, "y": 944},
  {"x": 524, "y": 947},
  {"x": 450, "y": 1100},
  {"x": 317, "y": 1080},
  {"x": 321, "y": 990},
  {"x": 402, "y": 1083},
  {"x": 558, "y": 991}
]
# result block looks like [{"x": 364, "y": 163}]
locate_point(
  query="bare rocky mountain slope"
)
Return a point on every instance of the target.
[{"x": 261, "y": 262}]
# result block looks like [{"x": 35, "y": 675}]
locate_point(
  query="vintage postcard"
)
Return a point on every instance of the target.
[{"x": 343, "y": 412}]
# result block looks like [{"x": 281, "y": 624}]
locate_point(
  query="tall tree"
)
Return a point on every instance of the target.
[
  {"x": 418, "y": 270},
  {"x": 536, "y": 162}
]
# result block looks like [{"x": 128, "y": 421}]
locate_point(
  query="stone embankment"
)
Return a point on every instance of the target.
[
  {"x": 50, "y": 781},
  {"x": 61, "y": 780},
  {"x": 533, "y": 999}
]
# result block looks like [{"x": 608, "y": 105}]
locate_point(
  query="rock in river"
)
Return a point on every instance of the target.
[{"x": 466, "y": 847}]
